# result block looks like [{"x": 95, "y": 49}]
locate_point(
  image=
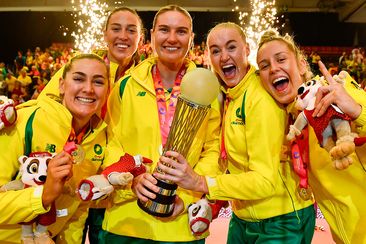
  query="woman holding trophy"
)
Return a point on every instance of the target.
[
  {"x": 261, "y": 188},
  {"x": 141, "y": 109}
]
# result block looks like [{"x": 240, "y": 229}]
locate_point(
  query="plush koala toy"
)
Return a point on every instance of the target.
[
  {"x": 119, "y": 173},
  {"x": 333, "y": 124},
  {"x": 201, "y": 213},
  {"x": 8, "y": 114},
  {"x": 33, "y": 172}
]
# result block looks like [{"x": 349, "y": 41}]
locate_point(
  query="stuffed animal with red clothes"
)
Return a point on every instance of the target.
[
  {"x": 120, "y": 173},
  {"x": 8, "y": 114},
  {"x": 33, "y": 172},
  {"x": 201, "y": 214},
  {"x": 332, "y": 129}
]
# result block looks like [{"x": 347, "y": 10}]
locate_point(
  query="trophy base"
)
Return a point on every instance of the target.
[
  {"x": 163, "y": 204},
  {"x": 153, "y": 213}
]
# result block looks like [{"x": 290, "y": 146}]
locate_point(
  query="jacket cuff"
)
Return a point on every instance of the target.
[
  {"x": 361, "y": 120},
  {"x": 36, "y": 201},
  {"x": 212, "y": 187}
]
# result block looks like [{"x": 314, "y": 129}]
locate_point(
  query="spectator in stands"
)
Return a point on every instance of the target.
[
  {"x": 357, "y": 56},
  {"x": 315, "y": 58},
  {"x": 3, "y": 86},
  {"x": 19, "y": 61},
  {"x": 29, "y": 59},
  {"x": 10, "y": 80}
]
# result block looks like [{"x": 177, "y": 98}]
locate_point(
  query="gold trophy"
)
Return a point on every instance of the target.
[{"x": 199, "y": 88}]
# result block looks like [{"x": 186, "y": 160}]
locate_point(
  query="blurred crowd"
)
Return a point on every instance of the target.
[{"x": 31, "y": 70}]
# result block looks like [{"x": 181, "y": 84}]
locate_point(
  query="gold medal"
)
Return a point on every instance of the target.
[
  {"x": 78, "y": 154},
  {"x": 305, "y": 193}
]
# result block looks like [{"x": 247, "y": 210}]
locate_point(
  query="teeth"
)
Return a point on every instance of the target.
[
  {"x": 227, "y": 66},
  {"x": 85, "y": 100},
  {"x": 278, "y": 79},
  {"x": 122, "y": 46},
  {"x": 171, "y": 48}
]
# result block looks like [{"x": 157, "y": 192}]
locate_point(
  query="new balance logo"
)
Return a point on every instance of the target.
[{"x": 141, "y": 94}]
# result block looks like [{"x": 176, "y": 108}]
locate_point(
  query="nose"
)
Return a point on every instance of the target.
[
  {"x": 224, "y": 56},
  {"x": 42, "y": 178},
  {"x": 172, "y": 36},
  {"x": 123, "y": 34},
  {"x": 88, "y": 86},
  {"x": 273, "y": 68},
  {"x": 300, "y": 90}
]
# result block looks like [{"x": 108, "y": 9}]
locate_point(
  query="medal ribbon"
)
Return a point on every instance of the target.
[
  {"x": 74, "y": 139},
  {"x": 222, "y": 146},
  {"x": 165, "y": 112},
  {"x": 300, "y": 157}
]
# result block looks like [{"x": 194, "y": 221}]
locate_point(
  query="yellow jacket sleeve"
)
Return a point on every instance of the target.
[{"x": 21, "y": 205}]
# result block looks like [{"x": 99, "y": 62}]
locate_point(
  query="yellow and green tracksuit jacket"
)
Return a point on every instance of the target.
[
  {"x": 258, "y": 184},
  {"x": 134, "y": 128},
  {"x": 48, "y": 131},
  {"x": 341, "y": 194}
]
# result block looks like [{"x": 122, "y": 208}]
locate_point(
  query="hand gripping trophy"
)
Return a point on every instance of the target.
[{"x": 199, "y": 88}]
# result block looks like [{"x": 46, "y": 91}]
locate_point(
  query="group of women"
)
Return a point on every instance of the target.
[{"x": 237, "y": 154}]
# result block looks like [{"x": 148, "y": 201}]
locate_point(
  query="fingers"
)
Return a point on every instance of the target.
[
  {"x": 144, "y": 187},
  {"x": 323, "y": 101},
  {"x": 60, "y": 167},
  {"x": 326, "y": 73}
]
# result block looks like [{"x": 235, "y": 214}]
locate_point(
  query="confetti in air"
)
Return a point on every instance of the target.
[
  {"x": 90, "y": 16},
  {"x": 262, "y": 17}
]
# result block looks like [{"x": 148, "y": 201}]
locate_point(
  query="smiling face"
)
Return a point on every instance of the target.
[
  {"x": 84, "y": 89},
  {"x": 280, "y": 71},
  {"x": 122, "y": 35},
  {"x": 172, "y": 36},
  {"x": 228, "y": 53}
]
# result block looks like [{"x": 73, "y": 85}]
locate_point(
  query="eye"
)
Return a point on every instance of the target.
[
  {"x": 99, "y": 82},
  {"x": 308, "y": 83},
  {"x": 182, "y": 32},
  {"x": 163, "y": 29},
  {"x": 313, "y": 82},
  {"x": 263, "y": 66},
  {"x": 132, "y": 30},
  {"x": 33, "y": 166},
  {"x": 231, "y": 47},
  {"x": 215, "y": 51}
]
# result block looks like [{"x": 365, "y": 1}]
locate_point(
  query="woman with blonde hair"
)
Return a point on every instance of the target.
[{"x": 339, "y": 193}]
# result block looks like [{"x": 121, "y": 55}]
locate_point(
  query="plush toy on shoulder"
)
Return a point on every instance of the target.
[
  {"x": 120, "y": 173},
  {"x": 33, "y": 172},
  {"x": 8, "y": 114},
  {"x": 332, "y": 129}
]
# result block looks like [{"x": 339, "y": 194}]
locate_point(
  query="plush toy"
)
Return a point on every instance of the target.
[
  {"x": 201, "y": 214},
  {"x": 333, "y": 129},
  {"x": 119, "y": 173},
  {"x": 33, "y": 172},
  {"x": 8, "y": 114}
]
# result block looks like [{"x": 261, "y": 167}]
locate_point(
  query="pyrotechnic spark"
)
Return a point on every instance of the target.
[
  {"x": 90, "y": 16},
  {"x": 262, "y": 17}
]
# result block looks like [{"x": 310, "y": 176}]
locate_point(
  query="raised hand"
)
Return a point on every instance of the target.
[{"x": 336, "y": 94}]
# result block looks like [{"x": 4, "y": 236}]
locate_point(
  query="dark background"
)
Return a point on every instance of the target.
[{"x": 23, "y": 30}]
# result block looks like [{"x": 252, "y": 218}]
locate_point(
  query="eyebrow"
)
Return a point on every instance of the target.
[
  {"x": 179, "y": 27},
  {"x": 119, "y": 25},
  {"x": 83, "y": 74},
  {"x": 227, "y": 43}
]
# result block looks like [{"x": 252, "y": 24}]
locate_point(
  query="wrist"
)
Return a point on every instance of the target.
[{"x": 202, "y": 186}]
